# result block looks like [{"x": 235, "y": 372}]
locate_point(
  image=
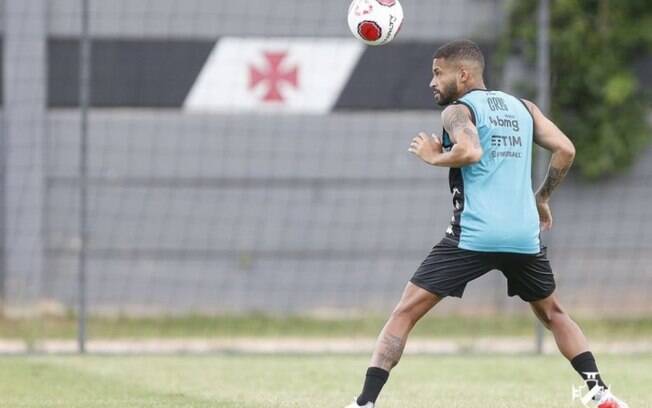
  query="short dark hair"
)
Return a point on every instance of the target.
[{"x": 461, "y": 49}]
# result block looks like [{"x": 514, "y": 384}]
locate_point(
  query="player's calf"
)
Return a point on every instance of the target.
[
  {"x": 388, "y": 352},
  {"x": 414, "y": 304},
  {"x": 573, "y": 345}
]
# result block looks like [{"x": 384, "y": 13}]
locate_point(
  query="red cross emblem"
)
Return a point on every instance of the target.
[{"x": 273, "y": 75}]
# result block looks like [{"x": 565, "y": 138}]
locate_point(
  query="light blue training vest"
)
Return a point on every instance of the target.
[{"x": 494, "y": 209}]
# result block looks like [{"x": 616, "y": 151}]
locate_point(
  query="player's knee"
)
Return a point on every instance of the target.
[
  {"x": 405, "y": 312},
  {"x": 551, "y": 315}
]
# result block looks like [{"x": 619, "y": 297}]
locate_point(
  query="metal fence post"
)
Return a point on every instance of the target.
[
  {"x": 543, "y": 100},
  {"x": 84, "y": 99}
]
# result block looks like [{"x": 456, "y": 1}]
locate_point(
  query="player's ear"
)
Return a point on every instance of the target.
[{"x": 463, "y": 74}]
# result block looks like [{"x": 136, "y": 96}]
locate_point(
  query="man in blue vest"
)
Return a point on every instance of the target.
[{"x": 487, "y": 142}]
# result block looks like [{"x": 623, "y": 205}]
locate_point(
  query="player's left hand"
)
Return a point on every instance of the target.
[{"x": 427, "y": 148}]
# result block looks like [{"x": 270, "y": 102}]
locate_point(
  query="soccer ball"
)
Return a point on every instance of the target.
[{"x": 375, "y": 22}]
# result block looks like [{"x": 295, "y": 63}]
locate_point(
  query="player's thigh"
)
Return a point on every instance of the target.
[
  {"x": 415, "y": 301},
  {"x": 448, "y": 269}
]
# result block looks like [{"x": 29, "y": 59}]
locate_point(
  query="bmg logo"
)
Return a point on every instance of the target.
[{"x": 504, "y": 122}]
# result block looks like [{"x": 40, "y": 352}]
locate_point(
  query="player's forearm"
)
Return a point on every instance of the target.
[
  {"x": 560, "y": 162},
  {"x": 457, "y": 157}
]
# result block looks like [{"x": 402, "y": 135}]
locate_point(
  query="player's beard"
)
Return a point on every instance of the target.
[{"x": 447, "y": 95}]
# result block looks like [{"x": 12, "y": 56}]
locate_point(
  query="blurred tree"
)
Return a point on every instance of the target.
[{"x": 596, "y": 97}]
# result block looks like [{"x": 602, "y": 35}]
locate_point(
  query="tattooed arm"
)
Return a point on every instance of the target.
[
  {"x": 466, "y": 150},
  {"x": 548, "y": 136}
]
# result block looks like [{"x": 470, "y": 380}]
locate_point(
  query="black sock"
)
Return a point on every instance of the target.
[
  {"x": 585, "y": 363},
  {"x": 373, "y": 383}
]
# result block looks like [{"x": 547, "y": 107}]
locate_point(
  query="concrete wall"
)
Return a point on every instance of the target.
[
  {"x": 425, "y": 19},
  {"x": 302, "y": 213},
  {"x": 23, "y": 140},
  {"x": 289, "y": 213}
]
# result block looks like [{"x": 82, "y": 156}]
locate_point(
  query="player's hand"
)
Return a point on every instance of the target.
[
  {"x": 545, "y": 215},
  {"x": 427, "y": 148}
]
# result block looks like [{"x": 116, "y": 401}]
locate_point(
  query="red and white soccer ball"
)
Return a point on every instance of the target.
[{"x": 375, "y": 22}]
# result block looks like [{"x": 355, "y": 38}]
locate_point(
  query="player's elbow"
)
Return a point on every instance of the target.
[
  {"x": 466, "y": 154},
  {"x": 474, "y": 155},
  {"x": 567, "y": 151}
]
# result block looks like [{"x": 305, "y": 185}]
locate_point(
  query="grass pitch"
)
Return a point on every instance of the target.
[
  {"x": 328, "y": 381},
  {"x": 261, "y": 325}
]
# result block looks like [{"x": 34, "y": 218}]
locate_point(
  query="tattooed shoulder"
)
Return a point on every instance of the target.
[
  {"x": 457, "y": 122},
  {"x": 455, "y": 117}
]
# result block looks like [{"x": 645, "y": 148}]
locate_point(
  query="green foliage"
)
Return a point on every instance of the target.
[{"x": 596, "y": 97}]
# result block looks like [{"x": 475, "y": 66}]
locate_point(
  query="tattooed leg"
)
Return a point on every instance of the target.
[
  {"x": 389, "y": 349},
  {"x": 415, "y": 303}
]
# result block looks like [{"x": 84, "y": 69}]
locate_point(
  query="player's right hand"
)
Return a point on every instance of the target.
[
  {"x": 427, "y": 148},
  {"x": 545, "y": 214}
]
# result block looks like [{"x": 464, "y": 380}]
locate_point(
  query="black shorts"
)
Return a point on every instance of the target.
[{"x": 447, "y": 270}]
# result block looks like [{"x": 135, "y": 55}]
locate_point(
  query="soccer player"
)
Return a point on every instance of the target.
[{"x": 487, "y": 144}]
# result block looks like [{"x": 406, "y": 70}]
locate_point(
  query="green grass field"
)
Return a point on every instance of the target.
[
  {"x": 260, "y": 325},
  {"x": 323, "y": 381}
]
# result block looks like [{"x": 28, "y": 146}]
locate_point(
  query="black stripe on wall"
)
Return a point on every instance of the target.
[
  {"x": 126, "y": 73},
  {"x": 160, "y": 73},
  {"x": 394, "y": 76}
]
